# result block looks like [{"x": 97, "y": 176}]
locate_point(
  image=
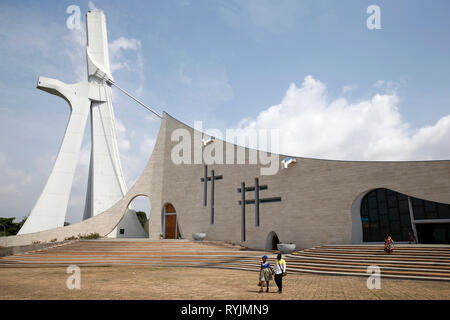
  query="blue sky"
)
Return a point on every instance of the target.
[{"x": 311, "y": 68}]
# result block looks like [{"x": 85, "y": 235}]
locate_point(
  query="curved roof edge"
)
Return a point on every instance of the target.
[{"x": 166, "y": 114}]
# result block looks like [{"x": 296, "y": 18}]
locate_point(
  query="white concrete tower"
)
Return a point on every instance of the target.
[{"x": 106, "y": 184}]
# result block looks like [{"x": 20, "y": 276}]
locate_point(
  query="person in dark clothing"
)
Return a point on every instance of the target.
[{"x": 280, "y": 272}]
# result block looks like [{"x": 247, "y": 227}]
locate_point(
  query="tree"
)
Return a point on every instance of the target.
[
  {"x": 9, "y": 227},
  {"x": 142, "y": 217}
]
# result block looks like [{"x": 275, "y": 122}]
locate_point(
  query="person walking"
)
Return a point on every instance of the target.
[
  {"x": 265, "y": 274},
  {"x": 280, "y": 272},
  {"x": 412, "y": 237}
]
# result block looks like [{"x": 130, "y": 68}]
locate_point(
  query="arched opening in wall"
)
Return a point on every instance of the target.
[
  {"x": 143, "y": 207},
  {"x": 384, "y": 211},
  {"x": 133, "y": 222},
  {"x": 170, "y": 225},
  {"x": 272, "y": 241}
]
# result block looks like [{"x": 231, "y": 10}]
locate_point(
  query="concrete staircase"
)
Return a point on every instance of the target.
[
  {"x": 407, "y": 262},
  {"x": 163, "y": 253},
  {"x": 425, "y": 262}
]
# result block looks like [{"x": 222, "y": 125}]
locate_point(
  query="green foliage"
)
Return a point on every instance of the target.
[
  {"x": 142, "y": 217},
  {"x": 84, "y": 237},
  {"x": 90, "y": 236},
  {"x": 10, "y": 228}
]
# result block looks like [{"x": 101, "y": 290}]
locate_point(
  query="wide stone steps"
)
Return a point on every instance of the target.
[{"x": 407, "y": 261}]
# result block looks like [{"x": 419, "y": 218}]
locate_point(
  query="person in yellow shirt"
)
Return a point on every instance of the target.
[{"x": 280, "y": 272}]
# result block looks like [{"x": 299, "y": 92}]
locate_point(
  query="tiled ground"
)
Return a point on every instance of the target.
[{"x": 192, "y": 283}]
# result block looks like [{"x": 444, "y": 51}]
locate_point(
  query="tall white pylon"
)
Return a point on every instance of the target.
[{"x": 106, "y": 184}]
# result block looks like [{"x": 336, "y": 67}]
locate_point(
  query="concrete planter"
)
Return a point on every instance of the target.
[
  {"x": 286, "y": 247},
  {"x": 198, "y": 236}
]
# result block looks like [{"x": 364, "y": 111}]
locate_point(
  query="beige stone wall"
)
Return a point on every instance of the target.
[{"x": 317, "y": 197}]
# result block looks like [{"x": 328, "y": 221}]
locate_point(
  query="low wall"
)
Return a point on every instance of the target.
[{"x": 9, "y": 251}]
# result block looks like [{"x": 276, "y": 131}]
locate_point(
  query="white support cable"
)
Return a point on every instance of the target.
[{"x": 135, "y": 99}]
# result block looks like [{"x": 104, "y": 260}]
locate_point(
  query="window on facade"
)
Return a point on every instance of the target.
[
  {"x": 385, "y": 212},
  {"x": 429, "y": 210}
]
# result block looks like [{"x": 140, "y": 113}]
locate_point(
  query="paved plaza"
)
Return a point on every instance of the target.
[{"x": 201, "y": 283}]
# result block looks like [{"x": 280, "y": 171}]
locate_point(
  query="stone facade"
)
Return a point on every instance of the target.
[{"x": 320, "y": 199}]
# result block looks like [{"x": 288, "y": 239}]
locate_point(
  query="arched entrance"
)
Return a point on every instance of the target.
[
  {"x": 384, "y": 211},
  {"x": 272, "y": 241},
  {"x": 170, "y": 226},
  {"x": 132, "y": 224}
]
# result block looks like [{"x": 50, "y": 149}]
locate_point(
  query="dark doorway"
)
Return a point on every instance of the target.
[
  {"x": 275, "y": 241},
  {"x": 433, "y": 233},
  {"x": 272, "y": 241}
]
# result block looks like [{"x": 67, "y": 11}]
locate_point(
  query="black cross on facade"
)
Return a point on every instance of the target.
[
  {"x": 256, "y": 188},
  {"x": 205, "y": 180}
]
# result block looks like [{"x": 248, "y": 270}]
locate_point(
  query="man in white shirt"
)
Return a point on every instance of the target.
[{"x": 280, "y": 272}]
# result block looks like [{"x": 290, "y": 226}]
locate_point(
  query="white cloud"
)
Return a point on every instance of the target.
[
  {"x": 12, "y": 179},
  {"x": 348, "y": 88},
  {"x": 116, "y": 52},
  {"x": 147, "y": 145},
  {"x": 312, "y": 125},
  {"x": 183, "y": 77},
  {"x": 75, "y": 48},
  {"x": 122, "y": 140},
  {"x": 92, "y": 6}
]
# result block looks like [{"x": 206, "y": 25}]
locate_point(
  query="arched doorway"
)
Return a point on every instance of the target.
[
  {"x": 170, "y": 225},
  {"x": 272, "y": 241}
]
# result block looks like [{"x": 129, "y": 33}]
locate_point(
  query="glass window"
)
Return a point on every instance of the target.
[
  {"x": 384, "y": 228},
  {"x": 393, "y": 213},
  {"x": 403, "y": 206},
  {"x": 430, "y": 210},
  {"x": 405, "y": 219},
  {"x": 364, "y": 209},
  {"x": 416, "y": 202},
  {"x": 439, "y": 233},
  {"x": 372, "y": 203},
  {"x": 405, "y": 233},
  {"x": 430, "y": 206},
  {"x": 392, "y": 201},
  {"x": 401, "y": 196},
  {"x": 383, "y": 212},
  {"x": 443, "y": 211},
  {"x": 384, "y": 219},
  {"x": 419, "y": 213},
  {"x": 373, "y": 215},
  {"x": 381, "y": 195}
]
